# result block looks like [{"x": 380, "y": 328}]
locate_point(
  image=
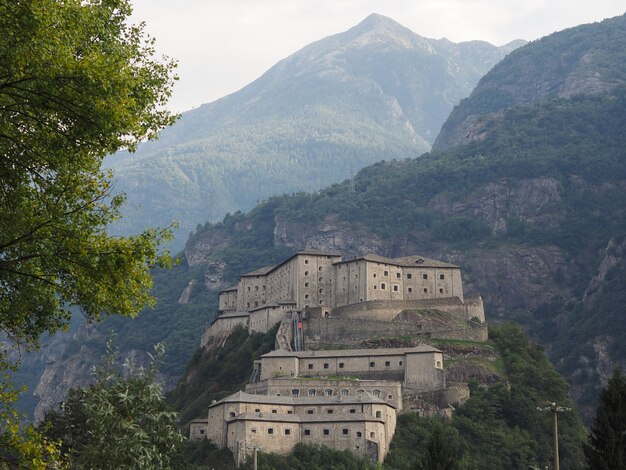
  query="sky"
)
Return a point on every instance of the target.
[{"x": 222, "y": 45}]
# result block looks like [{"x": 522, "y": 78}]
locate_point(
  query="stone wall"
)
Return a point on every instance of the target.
[{"x": 353, "y": 331}]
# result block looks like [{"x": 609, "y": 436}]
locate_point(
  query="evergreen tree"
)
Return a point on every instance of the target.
[
  {"x": 439, "y": 455},
  {"x": 606, "y": 449}
]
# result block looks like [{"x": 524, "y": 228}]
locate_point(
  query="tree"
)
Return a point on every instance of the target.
[
  {"x": 77, "y": 82},
  {"x": 606, "y": 447},
  {"x": 439, "y": 455},
  {"x": 119, "y": 421}
]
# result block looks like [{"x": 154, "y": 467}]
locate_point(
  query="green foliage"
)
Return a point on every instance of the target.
[
  {"x": 22, "y": 447},
  {"x": 77, "y": 83},
  {"x": 499, "y": 426},
  {"x": 311, "y": 457},
  {"x": 214, "y": 375},
  {"x": 606, "y": 448},
  {"x": 121, "y": 421}
]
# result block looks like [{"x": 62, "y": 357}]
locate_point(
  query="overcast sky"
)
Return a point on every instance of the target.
[{"x": 222, "y": 45}]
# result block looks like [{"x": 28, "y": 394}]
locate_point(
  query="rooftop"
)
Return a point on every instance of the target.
[
  {"x": 305, "y": 418},
  {"x": 422, "y": 348},
  {"x": 267, "y": 269},
  {"x": 405, "y": 262},
  {"x": 243, "y": 397}
]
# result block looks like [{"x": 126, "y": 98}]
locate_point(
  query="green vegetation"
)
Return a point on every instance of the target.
[
  {"x": 606, "y": 448},
  {"x": 214, "y": 375},
  {"x": 77, "y": 82},
  {"x": 120, "y": 421}
]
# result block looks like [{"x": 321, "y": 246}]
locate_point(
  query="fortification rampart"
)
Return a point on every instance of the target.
[{"x": 353, "y": 331}]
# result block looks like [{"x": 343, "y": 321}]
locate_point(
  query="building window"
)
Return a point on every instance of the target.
[
  {"x": 256, "y": 288},
  {"x": 359, "y": 434},
  {"x": 319, "y": 269},
  {"x": 425, "y": 290},
  {"x": 274, "y": 411},
  {"x": 322, "y": 303},
  {"x": 424, "y": 276},
  {"x": 306, "y": 284},
  {"x": 326, "y": 365},
  {"x": 320, "y": 279},
  {"x": 410, "y": 289},
  {"x": 409, "y": 276},
  {"x": 287, "y": 432},
  {"x": 201, "y": 431},
  {"x": 270, "y": 430},
  {"x": 289, "y": 412},
  {"x": 345, "y": 431},
  {"x": 231, "y": 414},
  {"x": 352, "y": 410},
  {"x": 295, "y": 392},
  {"x": 312, "y": 392},
  {"x": 360, "y": 392},
  {"x": 440, "y": 290},
  {"x": 344, "y": 392},
  {"x": 328, "y": 392},
  {"x": 306, "y": 261},
  {"x": 374, "y": 275},
  {"x": 375, "y": 287},
  {"x": 306, "y": 296},
  {"x": 320, "y": 290},
  {"x": 257, "y": 410},
  {"x": 256, "y": 304},
  {"x": 341, "y": 364},
  {"x": 395, "y": 288},
  {"x": 439, "y": 364},
  {"x": 379, "y": 414},
  {"x": 376, "y": 393},
  {"x": 248, "y": 288},
  {"x": 253, "y": 431},
  {"x": 326, "y": 432},
  {"x": 309, "y": 412},
  {"x": 399, "y": 363},
  {"x": 329, "y": 411},
  {"x": 307, "y": 432},
  {"x": 248, "y": 304},
  {"x": 398, "y": 275},
  {"x": 372, "y": 364},
  {"x": 386, "y": 273},
  {"x": 306, "y": 273},
  {"x": 372, "y": 434},
  {"x": 382, "y": 286},
  {"x": 441, "y": 276},
  {"x": 387, "y": 363}
]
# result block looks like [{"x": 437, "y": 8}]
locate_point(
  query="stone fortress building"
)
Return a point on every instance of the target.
[{"x": 342, "y": 398}]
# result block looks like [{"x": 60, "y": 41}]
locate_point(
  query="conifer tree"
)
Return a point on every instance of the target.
[{"x": 606, "y": 449}]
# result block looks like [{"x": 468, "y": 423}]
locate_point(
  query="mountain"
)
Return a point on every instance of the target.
[
  {"x": 586, "y": 59},
  {"x": 377, "y": 91}
]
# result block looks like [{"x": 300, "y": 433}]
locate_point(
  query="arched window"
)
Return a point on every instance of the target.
[
  {"x": 312, "y": 392},
  {"x": 328, "y": 392},
  {"x": 360, "y": 392},
  {"x": 344, "y": 392},
  {"x": 376, "y": 393},
  {"x": 295, "y": 392}
]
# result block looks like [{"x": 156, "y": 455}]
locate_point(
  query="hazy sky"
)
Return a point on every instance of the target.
[{"x": 222, "y": 45}]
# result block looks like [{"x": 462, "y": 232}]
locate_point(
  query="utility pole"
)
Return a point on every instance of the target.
[
  {"x": 555, "y": 409},
  {"x": 254, "y": 459}
]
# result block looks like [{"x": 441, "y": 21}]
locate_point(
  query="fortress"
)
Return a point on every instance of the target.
[{"x": 308, "y": 391}]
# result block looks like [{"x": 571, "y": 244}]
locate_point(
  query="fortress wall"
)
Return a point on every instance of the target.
[
  {"x": 352, "y": 331},
  {"x": 390, "y": 391},
  {"x": 221, "y": 325}
]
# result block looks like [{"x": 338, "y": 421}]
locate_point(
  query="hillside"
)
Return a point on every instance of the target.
[
  {"x": 587, "y": 59},
  {"x": 534, "y": 213},
  {"x": 498, "y": 427},
  {"x": 377, "y": 91}
]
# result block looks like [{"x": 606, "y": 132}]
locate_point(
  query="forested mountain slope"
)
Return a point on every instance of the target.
[
  {"x": 534, "y": 213},
  {"x": 586, "y": 59},
  {"x": 377, "y": 91}
]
